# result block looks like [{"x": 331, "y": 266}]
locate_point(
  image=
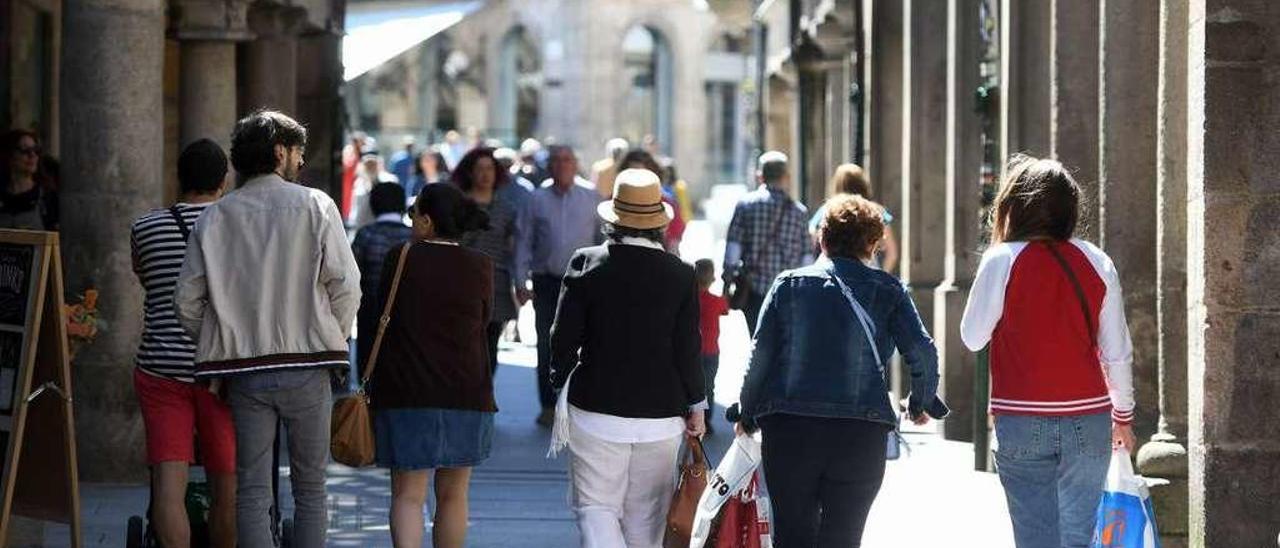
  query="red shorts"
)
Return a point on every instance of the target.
[{"x": 174, "y": 412}]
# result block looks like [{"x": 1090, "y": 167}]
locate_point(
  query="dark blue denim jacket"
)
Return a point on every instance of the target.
[{"x": 811, "y": 356}]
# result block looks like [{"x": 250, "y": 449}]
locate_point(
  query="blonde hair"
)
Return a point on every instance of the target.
[{"x": 850, "y": 179}]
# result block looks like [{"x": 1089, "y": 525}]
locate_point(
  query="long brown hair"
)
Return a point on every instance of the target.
[{"x": 1038, "y": 200}]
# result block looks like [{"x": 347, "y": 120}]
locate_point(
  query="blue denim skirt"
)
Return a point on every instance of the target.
[{"x": 420, "y": 438}]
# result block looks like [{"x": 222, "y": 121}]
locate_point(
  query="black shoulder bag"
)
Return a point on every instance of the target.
[{"x": 182, "y": 224}]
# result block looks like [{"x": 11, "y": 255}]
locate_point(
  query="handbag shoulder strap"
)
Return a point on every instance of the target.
[
  {"x": 182, "y": 223},
  {"x": 386, "y": 317},
  {"x": 868, "y": 328},
  {"x": 1075, "y": 284}
]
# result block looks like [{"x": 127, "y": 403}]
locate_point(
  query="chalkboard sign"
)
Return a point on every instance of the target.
[
  {"x": 38, "y": 476},
  {"x": 15, "y": 283}
]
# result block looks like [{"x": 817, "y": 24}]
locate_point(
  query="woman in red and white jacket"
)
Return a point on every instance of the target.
[{"x": 1050, "y": 307}]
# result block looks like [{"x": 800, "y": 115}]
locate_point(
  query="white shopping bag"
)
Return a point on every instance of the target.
[
  {"x": 1125, "y": 516},
  {"x": 730, "y": 476}
]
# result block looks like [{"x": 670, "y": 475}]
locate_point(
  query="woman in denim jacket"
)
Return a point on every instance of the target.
[{"x": 814, "y": 386}]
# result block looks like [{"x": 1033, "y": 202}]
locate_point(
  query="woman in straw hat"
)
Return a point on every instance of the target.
[{"x": 626, "y": 331}]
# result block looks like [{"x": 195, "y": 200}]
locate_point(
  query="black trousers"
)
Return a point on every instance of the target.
[
  {"x": 823, "y": 475},
  {"x": 546, "y": 295},
  {"x": 752, "y": 311},
  {"x": 494, "y": 333}
]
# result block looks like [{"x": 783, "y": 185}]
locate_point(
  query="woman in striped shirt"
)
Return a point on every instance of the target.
[
  {"x": 1050, "y": 307},
  {"x": 173, "y": 405}
]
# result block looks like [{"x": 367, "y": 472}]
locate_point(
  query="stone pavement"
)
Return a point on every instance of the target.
[{"x": 519, "y": 498}]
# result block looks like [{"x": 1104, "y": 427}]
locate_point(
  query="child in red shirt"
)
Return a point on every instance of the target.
[{"x": 710, "y": 308}]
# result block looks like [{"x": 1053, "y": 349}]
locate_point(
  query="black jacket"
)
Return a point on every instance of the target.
[{"x": 628, "y": 315}]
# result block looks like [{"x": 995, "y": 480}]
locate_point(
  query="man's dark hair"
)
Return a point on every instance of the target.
[
  {"x": 618, "y": 232},
  {"x": 202, "y": 167},
  {"x": 387, "y": 198},
  {"x": 253, "y": 143},
  {"x": 772, "y": 166}
]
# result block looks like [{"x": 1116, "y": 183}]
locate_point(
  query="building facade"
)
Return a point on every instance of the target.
[{"x": 577, "y": 72}]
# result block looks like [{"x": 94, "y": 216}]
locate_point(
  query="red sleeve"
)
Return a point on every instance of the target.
[{"x": 723, "y": 303}]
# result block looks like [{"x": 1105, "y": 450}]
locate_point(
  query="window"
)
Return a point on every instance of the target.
[{"x": 646, "y": 109}]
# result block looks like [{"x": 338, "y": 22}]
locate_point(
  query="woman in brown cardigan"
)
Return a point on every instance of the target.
[{"x": 432, "y": 388}]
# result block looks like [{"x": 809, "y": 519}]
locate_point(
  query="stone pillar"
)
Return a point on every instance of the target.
[
  {"x": 112, "y": 138},
  {"x": 269, "y": 74},
  {"x": 963, "y": 201},
  {"x": 924, "y": 149},
  {"x": 208, "y": 103},
  {"x": 1165, "y": 456},
  {"x": 1025, "y": 77},
  {"x": 1233, "y": 262},
  {"x": 1127, "y": 188},
  {"x": 884, "y": 103},
  {"x": 208, "y": 32},
  {"x": 811, "y": 163},
  {"x": 319, "y": 109},
  {"x": 1073, "y": 137}
]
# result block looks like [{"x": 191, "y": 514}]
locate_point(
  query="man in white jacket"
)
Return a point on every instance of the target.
[{"x": 269, "y": 290}]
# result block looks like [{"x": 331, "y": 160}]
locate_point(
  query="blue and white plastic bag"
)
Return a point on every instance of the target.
[{"x": 1126, "y": 518}]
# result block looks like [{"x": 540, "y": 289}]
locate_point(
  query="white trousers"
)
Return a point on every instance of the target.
[{"x": 621, "y": 491}]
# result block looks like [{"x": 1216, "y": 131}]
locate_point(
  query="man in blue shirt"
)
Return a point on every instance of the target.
[
  {"x": 402, "y": 162},
  {"x": 558, "y": 219}
]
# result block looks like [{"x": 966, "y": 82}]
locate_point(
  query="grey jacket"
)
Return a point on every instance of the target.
[{"x": 269, "y": 281}]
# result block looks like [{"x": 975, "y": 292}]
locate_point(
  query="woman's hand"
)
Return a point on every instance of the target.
[
  {"x": 920, "y": 419},
  {"x": 696, "y": 423},
  {"x": 1122, "y": 437},
  {"x": 738, "y": 430}
]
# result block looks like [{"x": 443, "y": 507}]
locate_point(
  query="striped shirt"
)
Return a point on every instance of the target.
[{"x": 158, "y": 248}]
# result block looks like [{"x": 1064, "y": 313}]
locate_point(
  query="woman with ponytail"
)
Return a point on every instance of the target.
[{"x": 432, "y": 387}]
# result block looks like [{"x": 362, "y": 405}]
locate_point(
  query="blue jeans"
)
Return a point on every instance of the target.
[
  {"x": 1053, "y": 470},
  {"x": 303, "y": 401}
]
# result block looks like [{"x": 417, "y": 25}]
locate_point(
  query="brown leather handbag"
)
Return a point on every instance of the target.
[
  {"x": 684, "y": 505},
  {"x": 351, "y": 432}
]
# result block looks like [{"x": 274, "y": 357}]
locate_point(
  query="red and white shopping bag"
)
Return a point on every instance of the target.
[{"x": 744, "y": 519}]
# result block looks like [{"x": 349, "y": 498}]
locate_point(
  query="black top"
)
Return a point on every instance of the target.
[
  {"x": 629, "y": 315},
  {"x": 434, "y": 352}
]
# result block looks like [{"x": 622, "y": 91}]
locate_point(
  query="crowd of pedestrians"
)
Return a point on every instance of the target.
[{"x": 251, "y": 297}]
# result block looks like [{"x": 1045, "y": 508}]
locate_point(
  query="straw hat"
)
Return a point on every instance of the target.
[{"x": 637, "y": 201}]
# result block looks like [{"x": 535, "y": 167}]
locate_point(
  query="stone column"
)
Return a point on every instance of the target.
[
  {"x": 1127, "y": 188},
  {"x": 112, "y": 138},
  {"x": 1233, "y": 262},
  {"x": 1165, "y": 456},
  {"x": 1073, "y": 95},
  {"x": 269, "y": 71},
  {"x": 884, "y": 103},
  {"x": 1024, "y": 78},
  {"x": 208, "y": 32},
  {"x": 319, "y": 104},
  {"x": 810, "y": 157},
  {"x": 963, "y": 201},
  {"x": 924, "y": 149}
]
